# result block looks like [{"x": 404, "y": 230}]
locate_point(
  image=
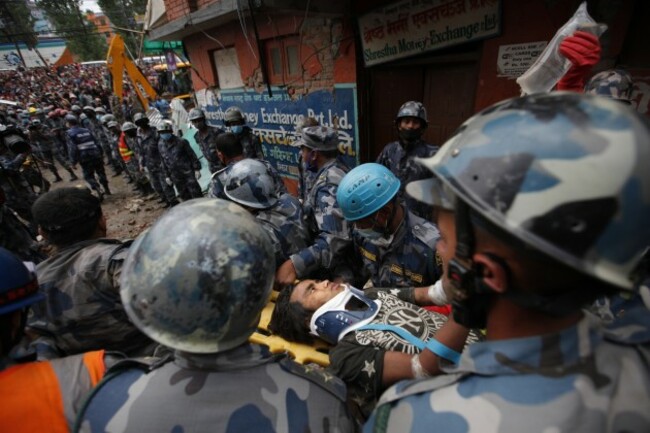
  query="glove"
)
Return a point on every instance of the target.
[
  {"x": 583, "y": 50},
  {"x": 168, "y": 181},
  {"x": 197, "y": 174}
]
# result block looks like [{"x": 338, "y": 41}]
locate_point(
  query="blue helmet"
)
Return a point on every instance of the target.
[
  {"x": 366, "y": 189},
  {"x": 19, "y": 287}
]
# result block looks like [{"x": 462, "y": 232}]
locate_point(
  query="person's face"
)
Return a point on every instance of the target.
[
  {"x": 305, "y": 154},
  {"x": 312, "y": 294},
  {"x": 446, "y": 245},
  {"x": 410, "y": 123},
  {"x": 198, "y": 123}
]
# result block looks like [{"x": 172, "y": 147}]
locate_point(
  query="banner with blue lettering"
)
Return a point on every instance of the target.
[{"x": 274, "y": 118}]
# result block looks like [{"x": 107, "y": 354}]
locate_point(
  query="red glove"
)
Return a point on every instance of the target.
[{"x": 583, "y": 50}]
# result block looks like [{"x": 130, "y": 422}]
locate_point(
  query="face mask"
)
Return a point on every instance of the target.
[
  {"x": 409, "y": 135},
  {"x": 165, "y": 135},
  {"x": 376, "y": 238},
  {"x": 237, "y": 129}
]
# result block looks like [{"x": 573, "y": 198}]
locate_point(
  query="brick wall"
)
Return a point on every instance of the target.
[{"x": 176, "y": 9}]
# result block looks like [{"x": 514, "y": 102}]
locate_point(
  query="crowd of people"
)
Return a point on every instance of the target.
[{"x": 498, "y": 281}]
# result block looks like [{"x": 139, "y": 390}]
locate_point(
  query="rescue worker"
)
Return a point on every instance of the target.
[
  {"x": 150, "y": 160},
  {"x": 397, "y": 248},
  {"x": 251, "y": 185},
  {"x": 326, "y": 256},
  {"x": 531, "y": 232},
  {"x": 17, "y": 192},
  {"x": 230, "y": 151},
  {"x": 236, "y": 124},
  {"x": 206, "y": 137},
  {"x": 16, "y": 236},
  {"x": 83, "y": 149},
  {"x": 43, "y": 148},
  {"x": 94, "y": 125},
  {"x": 38, "y": 396},
  {"x": 82, "y": 310},
  {"x": 180, "y": 165},
  {"x": 126, "y": 137},
  {"x": 398, "y": 156},
  {"x": 204, "y": 302}
]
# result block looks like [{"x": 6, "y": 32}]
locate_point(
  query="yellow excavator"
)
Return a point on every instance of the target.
[{"x": 117, "y": 63}]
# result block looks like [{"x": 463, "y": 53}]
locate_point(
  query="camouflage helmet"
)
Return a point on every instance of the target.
[
  {"x": 365, "y": 189},
  {"x": 199, "y": 286},
  {"x": 250, "y": 184},
  {"x": 413, "y": 109},
  {"x": 88, "y": 109},
  {"x": 614, "y": 83},
  {"x": 72, "y": 119},
  {"x": 100, "y": 110},
  {"x": 318, "y": 138},
  {"x": 233, "y": 114},
  {"x": 75, "y": 109},
  {"x": 140, "y": 118},
  {"x": 113, "y": 124},
  {"x": 165, "y": 126},
  {"x": 196, "y": 114},
  {"x": 565, "y": 173},
  {"x": 108, "y": 118},
  {"x": 128, "y": 126}
]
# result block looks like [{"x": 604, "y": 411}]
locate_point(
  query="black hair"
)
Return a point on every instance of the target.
[
  {"x": 228, "y": 144},
  {"x": 67, "y": 215},
  {"x": 289, "y": 319}
]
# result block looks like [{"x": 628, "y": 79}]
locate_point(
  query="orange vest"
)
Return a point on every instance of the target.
[
  {"x": 125, "y": 152},
  {"x": 44, "y": 396}
]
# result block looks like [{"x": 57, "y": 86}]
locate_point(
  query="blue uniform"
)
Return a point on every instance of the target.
[
  {"x": 83, "y": 149},
  {"x": 179, "y": 162}
]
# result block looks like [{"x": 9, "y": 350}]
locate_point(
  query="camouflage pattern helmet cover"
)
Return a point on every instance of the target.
[
  {"x": 613, "y": 83},
  {"x": 250, "y": 184},
  {"x": 128, "y": 126},
  {"x": 563, "y": 172},
  {"x": 113, "y": 124},
  {"x": 108, "y": 118},
  {"x": 165, "y": 125},
  {"x": 318, "y": 138},
  {"x": 137, "y": 117},
  {"x": 89, "y": 109},
  {"x": 75, "y": 109},
  {"x": 365, "y": 189},
  {"x": 233, "y": 114},
  {"x": 199, "y": 286},
  {"x": 413, "y": 109},
  {"x": 196, "y": 114}
]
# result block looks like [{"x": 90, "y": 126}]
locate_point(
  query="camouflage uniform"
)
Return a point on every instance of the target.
[
  {"x": 400, "y": 161},
  {"x": 219, "y": 180},
  {"x": 326, "y": 223},
  {"x": 17, "y": 193},
  {"x": 411, "y": 258},
  {"x": 179, "y": 163},
  {"x": 251, "y": 144},
  {"x": 43, "y": 148},
  {"x": 83, "y": 310},
  {"x": 149, "y": 156},
  {"x": 284, "y": 223},
  {"x": 200, "y": 393},
  {"x": 584, "y": 381},
  {"x": 83, "y": 149},
  {"x": 207, "y": 143},
  {"x": 97, "y": 129},
  {"x": 16, "y": 237}
]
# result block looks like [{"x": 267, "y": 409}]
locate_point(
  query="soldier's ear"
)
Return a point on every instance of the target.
[{"x": 42, "y": 233}]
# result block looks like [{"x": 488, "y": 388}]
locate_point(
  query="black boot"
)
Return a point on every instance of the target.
[
  {"x": 57, "y": 178},
  {"x": 107, "y": 190},
  {"x": 73, "y": 176}
]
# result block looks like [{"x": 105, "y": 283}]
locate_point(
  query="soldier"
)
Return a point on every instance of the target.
[
  {"x": 250, "y": 184},
  {"x": 43, "y": 148},
  {"x": 126, "y": 138},
  {"x": 56, "y": 125},
  {"x": 379, "y": 335},
  {"x": 528, "y": 225},
  {"x": 204, "y": 302},
  {"x": 94, "y": 125},
  {"x": 17, "y": 192},
  {"x": 180, "y": 165},
  {"x": 83, "y": 149},
  {"x": 319, "y": 150},
  {"x": 82, "y": 310},
  {"x": 230, "y": 151},
  {"x": 234, "y": 120},
  {"x": 61, "y": 384},
  {"x": 206, "y": 137},
  {"x": 150, "y": 160},
  {"x": 398, "y": 248},
  {"x": 398, "y": 156},
  {"x": 16, "y": 236}
]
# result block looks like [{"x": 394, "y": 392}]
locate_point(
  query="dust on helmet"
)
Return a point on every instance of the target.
[
  {"x": 233, "y": 114},
  {"x": 318, "y": 138},
  {"x": 18, "y": 286},
  {"x": 565, "y": 173},
  {"x": 250, "y": 184},
  {"x": 199, "y": 278},
  {"x": 614, "y": 83},
  {"x": 413, "y": 109},
  {"x": 365, "y": 189},
  {"x": 128, "y": 126},
  {"x": 196, "y": 114}
]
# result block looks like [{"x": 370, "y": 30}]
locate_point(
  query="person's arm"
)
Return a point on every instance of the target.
[{"x": 435, "y": 294}]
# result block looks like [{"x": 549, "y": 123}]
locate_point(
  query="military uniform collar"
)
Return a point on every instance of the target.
[{"x": 239, "y": 358}]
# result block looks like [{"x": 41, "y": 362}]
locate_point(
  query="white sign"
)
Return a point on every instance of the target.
[
  {"x": 412, "y": 27},
  {"x": 514, "y": 60}
]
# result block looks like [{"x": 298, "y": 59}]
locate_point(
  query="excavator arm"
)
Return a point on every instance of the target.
[{"x": 118, "y": 62}]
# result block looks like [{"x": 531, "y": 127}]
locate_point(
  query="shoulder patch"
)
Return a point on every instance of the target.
[
  {"x": 426, "y": 232},
  {"x": 317, "y": 375}
]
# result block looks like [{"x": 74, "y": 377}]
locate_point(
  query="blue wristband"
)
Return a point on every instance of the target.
[{"x": 442, "y": 351}]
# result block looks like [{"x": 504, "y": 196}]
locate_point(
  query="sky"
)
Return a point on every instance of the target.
[{"x": 90, "y": 4}]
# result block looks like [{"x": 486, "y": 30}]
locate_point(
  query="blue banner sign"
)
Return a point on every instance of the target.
[{"x": 274, "y": 118}]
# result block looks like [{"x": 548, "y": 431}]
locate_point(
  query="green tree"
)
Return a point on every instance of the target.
[
  {"x": 81, "y": 35},
  {"x": 122, "y": 13}
]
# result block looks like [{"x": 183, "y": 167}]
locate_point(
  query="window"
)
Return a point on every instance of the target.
[
  {"x": 226, "y": 64},
  {"x": 283, "y": 60}
]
